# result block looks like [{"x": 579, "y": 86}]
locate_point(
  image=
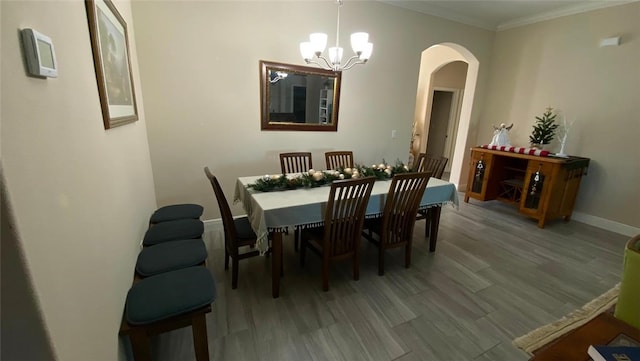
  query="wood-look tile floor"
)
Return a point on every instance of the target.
[{"x": 494, "y": 276}]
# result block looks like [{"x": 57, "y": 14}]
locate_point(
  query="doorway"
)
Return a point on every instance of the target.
[
  {"x": 432, "y": 60},
  {"x": 443, "y": 123},
  {"x": 299, "y": 103}
]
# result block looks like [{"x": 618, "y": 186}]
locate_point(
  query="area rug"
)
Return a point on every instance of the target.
[{"x": 547, "y": 333}]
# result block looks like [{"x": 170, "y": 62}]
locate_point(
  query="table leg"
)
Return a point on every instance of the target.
[
  {"x": 435, "y": 223},
  {"x": 276, "y": 263}
]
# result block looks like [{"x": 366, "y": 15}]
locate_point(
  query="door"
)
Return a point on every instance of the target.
[{"x": 439, "y": 123}]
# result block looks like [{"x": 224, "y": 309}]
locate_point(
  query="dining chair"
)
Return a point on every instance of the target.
[
  {"x": 339, "y": 159},
  {"x": 339, "y": 238},
  {"x": 428, "y": 163},
  {"x": 295, "y": 162},
  {"x": 237, "y": 232},
  {"x": 395, "y": 227},
  {"x": 435, "y": 165}
]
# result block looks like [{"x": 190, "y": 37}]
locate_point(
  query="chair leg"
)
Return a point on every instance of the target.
[
  {"x": 407, "y": 255},
  {"x": 303, "y": 251},
  {"x": 380, "y": 261},
  {"x": 140, "y": 345},
  {"x": 434, "y": 223},
  {"x": 226, "y": 258},
  {"x": 296, "y": 240},
  {"x": 234, "y": 273},
  {"x": 356, "y": 265},
  {"x": 325, "y": 274},
  {"x": 427, "y": 223},
  {"x": 200, "y": 342}
]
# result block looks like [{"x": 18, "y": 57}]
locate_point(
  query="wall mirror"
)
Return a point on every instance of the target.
[{"x": 294, "y": 97}]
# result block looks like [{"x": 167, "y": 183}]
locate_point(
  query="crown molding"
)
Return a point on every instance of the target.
[
  {"x": 428, "y": 9},
  {"x": 434, "y": 10},
  {"x": 571, "y": 10}
]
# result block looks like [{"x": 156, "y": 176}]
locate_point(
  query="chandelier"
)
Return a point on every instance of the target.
[{"x": 312, "y": 50}]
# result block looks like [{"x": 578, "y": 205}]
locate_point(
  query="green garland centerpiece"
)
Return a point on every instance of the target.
[{"x": 314, "y": 178}]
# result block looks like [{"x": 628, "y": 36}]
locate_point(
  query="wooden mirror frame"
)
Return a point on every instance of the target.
[{"x": 265, "y": 98}]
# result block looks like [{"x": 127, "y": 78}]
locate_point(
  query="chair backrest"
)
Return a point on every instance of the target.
[
  {"x": 339, "y": 159},
  {"x": 230, "y": 233},
  {"x": 401, "y": 206},
  {"x": 344, "y": 216},
  {"x": 297, "y": 162},
  {"x": 428, "y": 163}
]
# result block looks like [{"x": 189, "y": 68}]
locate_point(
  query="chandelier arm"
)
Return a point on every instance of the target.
[
  {"x": 309, "y": 61},
  {"x": 328, "y": 64},
  {"x": 350, "y": 63}
]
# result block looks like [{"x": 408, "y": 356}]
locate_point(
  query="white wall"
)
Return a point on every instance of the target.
[
  {"x": 81, "y": 196},
  {"x": 199, "y": 65},
  {"x": 558, "y": 63}
]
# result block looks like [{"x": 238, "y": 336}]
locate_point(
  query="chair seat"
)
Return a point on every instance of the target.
[
  {"x": 170, "y": 256},
  {"x": 169, "y": 294},
  {"x": 243, "y": 228},
  {"x": 176, "y": 212},
  {"x": 173, "y": 231}
]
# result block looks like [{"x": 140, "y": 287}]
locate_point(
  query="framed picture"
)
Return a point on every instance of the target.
[{"x": 110, "y": 43}]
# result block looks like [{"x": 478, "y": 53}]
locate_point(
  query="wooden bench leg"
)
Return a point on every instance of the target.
[
  {"x": 200, "y": 343},
  {"x": 140, "y": 345}
]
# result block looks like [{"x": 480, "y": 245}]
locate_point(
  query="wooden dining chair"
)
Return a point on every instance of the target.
[
  {"x": 435, "y": 165},
  {"x": 296, "y": 162},
  {"x": 428, "y": 163},
  {"x": 339, "y": 159},
  {"x": 395, "y": 227},
  {"x": 237, "y": 232},
  {"x": 339, "y": 238}
]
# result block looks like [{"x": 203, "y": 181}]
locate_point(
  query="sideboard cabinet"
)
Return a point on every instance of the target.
[{"x": 543, "y": 188}]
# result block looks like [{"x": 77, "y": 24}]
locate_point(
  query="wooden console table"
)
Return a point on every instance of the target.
[
  {"x": 544, "y": 188},
  {"x": 573, "y": 346}
]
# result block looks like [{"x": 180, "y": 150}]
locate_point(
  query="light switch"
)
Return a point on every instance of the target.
[{"x": 393, "y": 134}]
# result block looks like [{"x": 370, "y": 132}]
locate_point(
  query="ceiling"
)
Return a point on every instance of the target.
[{"x": 502, "y": 14}]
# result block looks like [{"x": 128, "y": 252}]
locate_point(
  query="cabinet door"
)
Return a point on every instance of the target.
[
  {"x": 479, "y": 173},
  {"x": 537, "y": 185}
]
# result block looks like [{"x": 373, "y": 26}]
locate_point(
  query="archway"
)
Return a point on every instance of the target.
[{"x": 434, "y": 58}]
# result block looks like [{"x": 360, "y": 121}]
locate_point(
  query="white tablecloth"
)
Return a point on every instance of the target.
[{"x": 282, "y": 210}]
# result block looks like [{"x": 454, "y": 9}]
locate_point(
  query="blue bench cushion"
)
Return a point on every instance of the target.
[
  {"x": 175, "y": 212},
  {"x": 170, "y": 256},
  {"x": 169, "y": 294},
  {"x": 173, "y": 231}
]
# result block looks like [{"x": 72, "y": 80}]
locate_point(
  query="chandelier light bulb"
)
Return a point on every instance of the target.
[
  {"x": 366, "y": 52},
  {"x": 359, "y": 41},
  {"x": 306, "y": 50},
  {"x": 319, "y": 42}
]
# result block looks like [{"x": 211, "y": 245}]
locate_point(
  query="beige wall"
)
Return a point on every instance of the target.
[
  {"x": 558, "y": 63},
  {"x": 452, "y": 75},
  {"x": 81, "y": 195},
  {"x": 202, "y": 89}
]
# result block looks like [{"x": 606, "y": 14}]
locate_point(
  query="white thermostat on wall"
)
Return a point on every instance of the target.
[{"x": 39, "y": 54}]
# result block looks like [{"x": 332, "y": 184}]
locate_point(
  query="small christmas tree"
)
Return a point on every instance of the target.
[{"x": 545, "y": 128}]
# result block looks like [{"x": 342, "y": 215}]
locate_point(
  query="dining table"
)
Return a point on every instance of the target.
[{"x": 276, "y": 212}]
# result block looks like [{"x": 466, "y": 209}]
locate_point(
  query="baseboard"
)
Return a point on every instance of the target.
[
  {"x": 212, "y": 224},
  {"x": 603, "y": 223}
]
